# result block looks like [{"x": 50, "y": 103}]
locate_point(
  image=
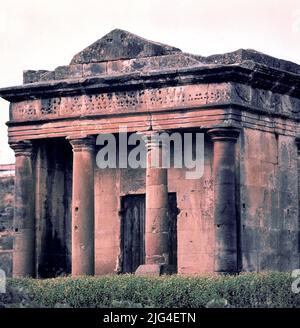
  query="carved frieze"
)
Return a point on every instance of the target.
[
  {"x": 265, "y": 100},
  {"x": 121, "y": 102},
  {"x": 155, "y": 99}
]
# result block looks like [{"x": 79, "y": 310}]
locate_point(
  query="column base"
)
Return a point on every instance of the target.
[
  {"x": 155, "y": 269},
  {"x": 226, "y": 262}
]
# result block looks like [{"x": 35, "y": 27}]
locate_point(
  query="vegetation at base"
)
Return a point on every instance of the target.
[{"x": 245, "y": 290}]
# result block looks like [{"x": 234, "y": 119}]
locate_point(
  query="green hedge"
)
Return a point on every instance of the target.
[{"x": 245, "y": 290}]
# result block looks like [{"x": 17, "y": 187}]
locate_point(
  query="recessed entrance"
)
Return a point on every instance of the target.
[{"x": 133, "y": 215}]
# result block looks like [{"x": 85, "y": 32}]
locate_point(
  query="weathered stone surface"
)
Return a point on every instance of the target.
[
  {"x": 49, "y": 76},
  {"x": 242, "y": 55},
  {"x": 94, "y": 69},
  {"x": 114, "y": 67},
  {"x": 63, "y": 72},
  {"x": 31, "y": 76},
  {"x": 120, "y": 44},
  {"x": 107, "y": 221},
  {"x": 270, "y": 220}
]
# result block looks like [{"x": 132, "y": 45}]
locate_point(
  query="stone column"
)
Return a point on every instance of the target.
[
  {"x": 157, "y": 225},
  {"x": 24, "y": 216},
  {"x": 224, "y": 140},
  {"x": 83, "y": 206}
]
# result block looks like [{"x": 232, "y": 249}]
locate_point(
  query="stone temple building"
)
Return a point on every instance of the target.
[{"x": 70, "y": 216}]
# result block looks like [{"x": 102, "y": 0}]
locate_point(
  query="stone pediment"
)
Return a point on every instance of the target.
[
  {"x": 118, "y": 52},
  {"x": 121, "y": 59},
  {"x": 120, "y": 44}
]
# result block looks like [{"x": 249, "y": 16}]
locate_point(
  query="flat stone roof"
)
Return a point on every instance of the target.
[{"x": 123, "y": 59}]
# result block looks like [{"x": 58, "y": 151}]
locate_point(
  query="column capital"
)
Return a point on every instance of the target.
[
  {"x": 82, "y": 143},
  {"x": 224, "y": 134},
  {"x": 21, "y": 148}
]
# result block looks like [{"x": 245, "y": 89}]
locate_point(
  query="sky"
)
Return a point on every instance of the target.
[{"x": 44, "y": 34}]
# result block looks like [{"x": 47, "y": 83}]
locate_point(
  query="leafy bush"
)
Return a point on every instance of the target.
[{"x": 244, "y": 290}]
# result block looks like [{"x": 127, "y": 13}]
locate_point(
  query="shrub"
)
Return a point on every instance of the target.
[{"x": 244, "y": 290}]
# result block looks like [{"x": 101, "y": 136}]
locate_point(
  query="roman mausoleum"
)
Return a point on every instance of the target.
[{"x": 73, "y": 217}]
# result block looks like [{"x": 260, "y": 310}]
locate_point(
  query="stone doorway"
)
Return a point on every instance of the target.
[
  {"x": 132, "y": 232},
  {"x": 133, "y": 218}
]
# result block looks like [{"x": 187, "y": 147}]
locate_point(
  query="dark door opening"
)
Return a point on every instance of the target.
[
  {"x": 173, "y": 211},
  {"x": 133, "y": 231},
  {"x": 53, "y": 214}
]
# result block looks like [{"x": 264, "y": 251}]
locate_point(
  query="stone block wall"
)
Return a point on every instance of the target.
[
  {"x": 6, "y": 222},
  {"x": 107, "y": 220},
  {"x": 269, "y": 201},
  {"x": 195, "y": 221}
]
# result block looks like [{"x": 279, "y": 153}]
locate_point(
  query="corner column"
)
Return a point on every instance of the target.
[
  {"x": 225, "y": 218},
  {"x": 83, "y": 206},
  {"x": 24, "y": 220},
  {"x": 157, "y": 225}
]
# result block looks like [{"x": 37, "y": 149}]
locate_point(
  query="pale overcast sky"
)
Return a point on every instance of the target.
[{"x": 43, "y": 34}]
